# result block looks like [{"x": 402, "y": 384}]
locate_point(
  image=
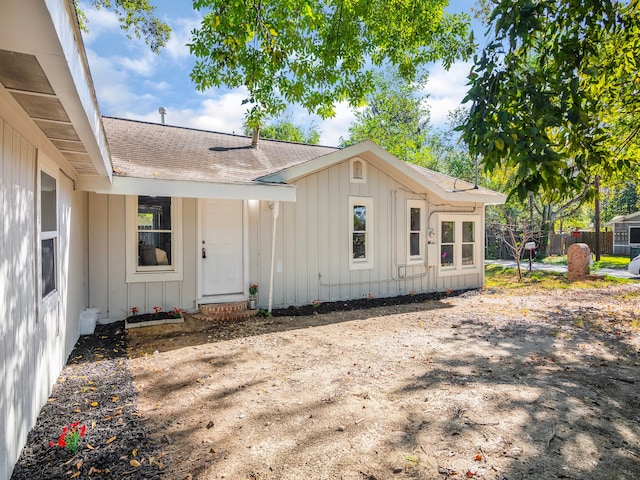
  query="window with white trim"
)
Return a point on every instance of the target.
[
  {"x": 459, "y": 248},
  {"x": 360, "y": 233},
  {"x": 415, "y": 234},
  {"x": 154, "y": 229},
  {"x": 48, "y": 234}
]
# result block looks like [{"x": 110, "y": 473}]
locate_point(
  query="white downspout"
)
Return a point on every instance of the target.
[{"x": 275, "y": 210}]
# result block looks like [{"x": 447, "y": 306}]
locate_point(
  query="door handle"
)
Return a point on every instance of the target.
[{"x": 204, "y": 252}]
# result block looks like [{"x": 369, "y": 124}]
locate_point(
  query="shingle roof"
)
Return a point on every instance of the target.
[
  {"x": 151, "y": 150},
  {"x": 449, "y": 183}
]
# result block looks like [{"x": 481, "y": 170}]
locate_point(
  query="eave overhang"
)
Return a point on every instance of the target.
[
  {"x": 44, "y": 73},
  {"x": 187, "y": 189}
]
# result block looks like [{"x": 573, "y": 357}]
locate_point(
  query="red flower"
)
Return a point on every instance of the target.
[
  {"x": 51, "y": 444},
  {"x": 61, "y": 442},
  {"x": 83, "y": 429}
]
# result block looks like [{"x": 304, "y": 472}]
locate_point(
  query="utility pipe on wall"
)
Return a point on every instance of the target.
[{"x": 275, "y": 210}]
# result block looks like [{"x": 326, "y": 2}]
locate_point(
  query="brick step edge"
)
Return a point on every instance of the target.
[
  {"x": 227, "y": 317},
  {"x": 215, "y": 309}
]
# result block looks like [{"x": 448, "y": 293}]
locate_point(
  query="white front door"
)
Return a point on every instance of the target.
[{"x": 221, "y": 248}]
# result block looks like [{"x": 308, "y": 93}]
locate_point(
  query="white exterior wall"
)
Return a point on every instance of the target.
[
  {"x": 109, "y": 290},
  {"x": 35, "y": 338},
  {"x": 312, "y": 242}
]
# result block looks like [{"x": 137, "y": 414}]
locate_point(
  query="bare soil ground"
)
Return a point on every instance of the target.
[{"x": 504, "y": 384}]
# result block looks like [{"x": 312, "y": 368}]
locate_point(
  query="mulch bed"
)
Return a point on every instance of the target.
[
  {"x": 94, "y": 389},
  {"x": 362, "y": 303}
]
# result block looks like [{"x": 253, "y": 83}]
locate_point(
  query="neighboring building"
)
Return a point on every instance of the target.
[
  {"x": 50, "y": 136},
  {"x": 626, "y": 234},
  {"x": 176, "y": 217}
]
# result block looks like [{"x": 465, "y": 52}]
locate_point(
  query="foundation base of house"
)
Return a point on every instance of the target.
[{"x": 230, "y": 312}]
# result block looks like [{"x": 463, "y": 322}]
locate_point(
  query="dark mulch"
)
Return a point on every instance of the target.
[
  {"x": 362, "y": 303},
  {"x": 95, "y": 389}
]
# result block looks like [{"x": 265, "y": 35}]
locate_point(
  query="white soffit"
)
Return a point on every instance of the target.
[{"x": 43, "y": 66}]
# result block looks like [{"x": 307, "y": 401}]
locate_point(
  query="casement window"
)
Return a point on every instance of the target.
[
  {"x": 459, "y": 250},
  {"x": 154, "y": 230},
  {"x": 358, "y": 169},
  {"x": 360, "y": 233},
  {"x": 48, "y": 230},
  {"x": 415, "y": 233}
]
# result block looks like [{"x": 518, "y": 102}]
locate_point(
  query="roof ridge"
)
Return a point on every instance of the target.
[{"x": 146, "y": 122}]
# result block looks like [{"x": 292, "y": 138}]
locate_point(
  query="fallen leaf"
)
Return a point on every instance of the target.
[
  {"x": 52, "y": 400},
  {"x": 79, "y": 464},
  {"x": 94, "y": 404},
  {"x": 90, "y": 447},
  {"x": 470, "y": 474},
  {"x": 77, "y": 474},
  {"x": 134, "y": 463},
  {"x": 478, "y": 457},
  {"x": 110, "y": 440},
  {"x": 135, "y": 452},
  {"x": 77, "y": 410},
  {"x": 115, "y": 399}
]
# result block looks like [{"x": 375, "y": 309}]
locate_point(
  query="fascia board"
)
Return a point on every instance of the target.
[{"x": 186, "y": 189}]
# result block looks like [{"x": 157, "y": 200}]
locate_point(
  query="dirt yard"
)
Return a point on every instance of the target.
[{"x": 509, "y": 384}]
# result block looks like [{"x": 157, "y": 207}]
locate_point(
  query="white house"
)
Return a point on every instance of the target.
[
  {"x": 51, "y": 135},
  {"x": 192, "y": 217},
  {"x": 114, "y": 214}
]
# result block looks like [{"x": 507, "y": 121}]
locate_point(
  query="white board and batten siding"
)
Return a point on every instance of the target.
[
  {"x": 312, "y": 241},
  {"x": 36, "y": 336},
  {"x": 110, "y": 291}
]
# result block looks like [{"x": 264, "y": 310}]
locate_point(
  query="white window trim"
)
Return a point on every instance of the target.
[
  {"x": 161, "y": 273},
  {"x": 458, "y": 268},
  {"x": 367, "y": 262},
  {"x": 420, "y": 258},
  {"x": 50, "y": 301},
  {"x": 364, "y": 170}
]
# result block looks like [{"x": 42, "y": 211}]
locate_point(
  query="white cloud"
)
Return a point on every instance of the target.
[
  {"x": 180, "y": 35},
  {"x": 338, "y": 126},
  {"x": 446, "y": 90},
  {"x": 98, "y": 22},
  {"x": 145, "y": 65}
]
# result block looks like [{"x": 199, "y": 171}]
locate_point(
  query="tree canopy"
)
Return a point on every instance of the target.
[
  {"x": 396, "y": 117},
  {"x": 321, "y": 52},
  {"x": 285, "y": 129},
  {"x": 135, "y": 16},
  {"x": 554, "y": 93}
]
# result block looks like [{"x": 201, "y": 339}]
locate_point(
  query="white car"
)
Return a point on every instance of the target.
[{"x": 634, "y": 266}]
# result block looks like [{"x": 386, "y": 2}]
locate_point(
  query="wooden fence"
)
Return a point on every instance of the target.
[{"x": 558, "y": 243}]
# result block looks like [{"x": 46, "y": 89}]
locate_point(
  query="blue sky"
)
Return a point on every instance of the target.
[{"x": 132, "y": 82}]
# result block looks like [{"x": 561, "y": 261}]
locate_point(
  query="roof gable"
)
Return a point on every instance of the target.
[
  {"x": 421, "y": 179},
  {"x": 635, "y": 216}
]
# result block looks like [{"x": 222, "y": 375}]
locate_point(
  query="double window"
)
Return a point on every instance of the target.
[
  {"x": 153, "y": 238},
  {"x": 458, "y": 243},
  {"x": 361, "y": 233}
]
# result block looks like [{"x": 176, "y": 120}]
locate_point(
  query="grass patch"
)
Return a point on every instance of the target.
[
  {"x": 499, "y": 276},
  {"x": 606, "y": 261}
]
